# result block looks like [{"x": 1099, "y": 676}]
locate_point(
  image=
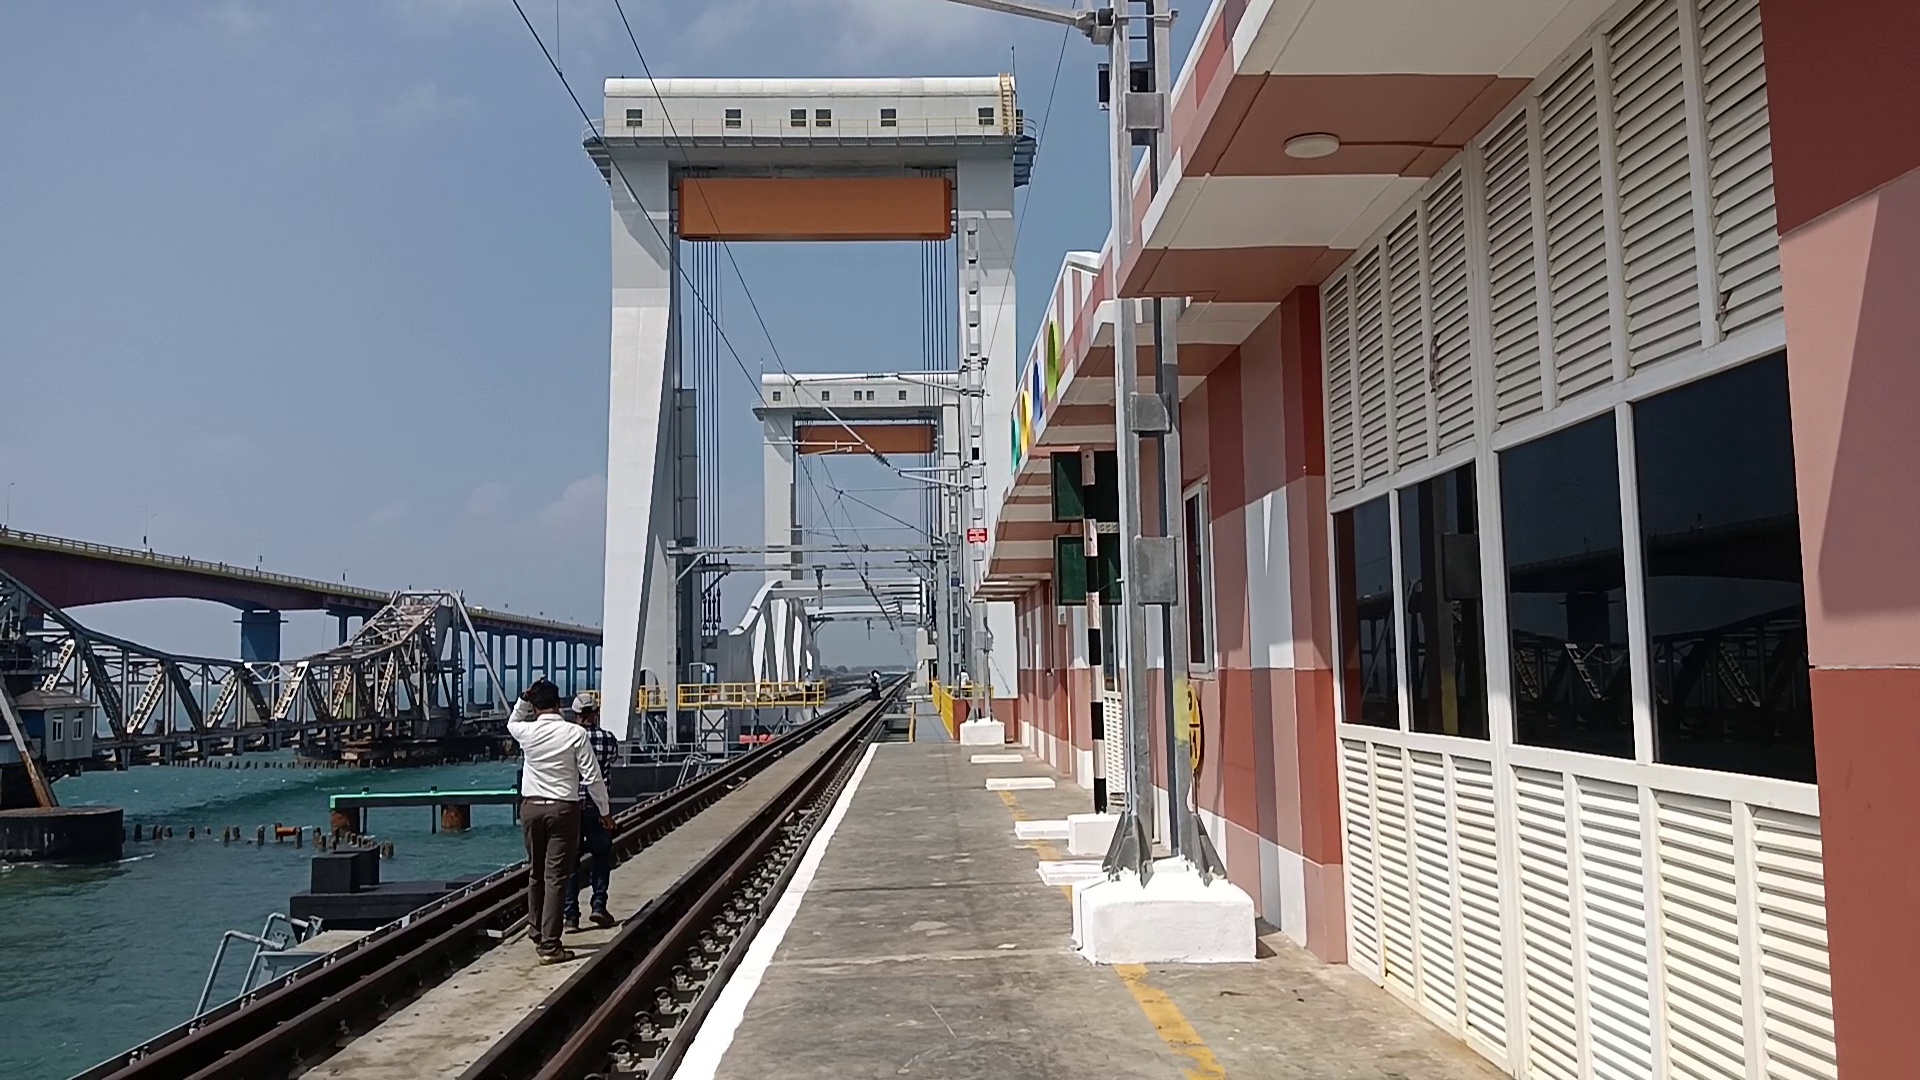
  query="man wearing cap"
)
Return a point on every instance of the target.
[
  {"x": 557, "y": 763},
  {"x": 596, "y": 839}
]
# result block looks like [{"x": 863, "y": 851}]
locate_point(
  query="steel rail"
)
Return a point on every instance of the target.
[
  {"x": 298, "y": 1020},
  {"x": 642, "y": 996}
]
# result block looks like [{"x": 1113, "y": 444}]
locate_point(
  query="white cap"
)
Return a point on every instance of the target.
[{"x": 586, "y": 699}]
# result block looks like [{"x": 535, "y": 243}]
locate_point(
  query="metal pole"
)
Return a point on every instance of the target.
[{"x": 1132, "y": 847}]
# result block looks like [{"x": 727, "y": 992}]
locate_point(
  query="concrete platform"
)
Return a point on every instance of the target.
[
  {"x": 449, "y": 1027},
  {"x": 927, "y": 946}
]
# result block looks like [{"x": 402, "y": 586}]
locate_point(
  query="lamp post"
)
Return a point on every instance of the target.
[{"x": 1150, "y": 560}]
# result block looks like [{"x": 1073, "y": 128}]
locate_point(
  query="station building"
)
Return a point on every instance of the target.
[{"x": 1552, "y": 485}]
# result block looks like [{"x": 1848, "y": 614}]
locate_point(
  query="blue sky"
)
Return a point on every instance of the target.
[{"x": 326, "y": 284}]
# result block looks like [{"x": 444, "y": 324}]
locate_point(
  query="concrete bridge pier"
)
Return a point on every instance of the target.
[{"x": 260, "y": 636}]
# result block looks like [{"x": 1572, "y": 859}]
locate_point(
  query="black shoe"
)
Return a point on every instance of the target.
[
  {"x": 556, "y": 956},
  {"x": 572, "y": 923},
  {"x": 600, "y": 918}
]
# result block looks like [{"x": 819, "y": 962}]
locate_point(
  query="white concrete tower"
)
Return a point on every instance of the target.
[{"x": 796, "y": 160}]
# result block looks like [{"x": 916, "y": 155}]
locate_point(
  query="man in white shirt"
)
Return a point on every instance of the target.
[{"x": 557, "y": 764}]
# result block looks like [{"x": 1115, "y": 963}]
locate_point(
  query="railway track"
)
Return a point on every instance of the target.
[
  {"x": 291, "y": 1025},
  {"x": 633, "y": 1009}
]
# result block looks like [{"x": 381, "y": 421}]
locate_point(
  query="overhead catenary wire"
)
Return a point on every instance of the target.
[{"x": 745, "y": 288}]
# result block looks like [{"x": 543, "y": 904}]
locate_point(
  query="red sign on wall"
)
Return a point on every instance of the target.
[{"x": 976, "y": 536}]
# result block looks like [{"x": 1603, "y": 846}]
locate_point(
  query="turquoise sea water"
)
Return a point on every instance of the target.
[{"x": 94, "y": 959}]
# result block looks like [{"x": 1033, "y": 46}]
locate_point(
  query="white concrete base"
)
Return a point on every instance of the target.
[
  {"x": 996, "y": 759},
  {"x": 1020, "y": 783},
  {"x": 1057, "y": 872},
  {"x": 1173, "y": 919},
  {"x": 983, "y": 733},
  {"x": 1090, "y": 834},
  {"x": 1040, "y": 830}
]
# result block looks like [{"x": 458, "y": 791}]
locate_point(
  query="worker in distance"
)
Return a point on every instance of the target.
[
  {"x": 557, "y": 765},
  {"x": 596, "y": 837}
]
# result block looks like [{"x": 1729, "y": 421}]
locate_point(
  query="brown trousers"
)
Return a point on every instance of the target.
[{"x": 552, "y": 828}]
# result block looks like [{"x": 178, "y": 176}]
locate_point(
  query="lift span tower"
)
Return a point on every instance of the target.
[{"x": 692, "y": 161}]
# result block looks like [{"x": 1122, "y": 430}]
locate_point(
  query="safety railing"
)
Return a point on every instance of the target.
[
  {"x": 865, "y": 129},
  {"x": 953, "y": 710},
  {"x": 752, "y": 695}
]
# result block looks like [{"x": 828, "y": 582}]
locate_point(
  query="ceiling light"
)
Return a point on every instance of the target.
[{"x": 1312, "y": 146}]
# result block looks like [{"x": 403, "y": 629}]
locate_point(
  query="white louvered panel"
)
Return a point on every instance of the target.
[
  {"x": 1576, "y": 231},
  {"x": 1396, "y": 884},
  {"x": 1407, "y": 334},
  {"x": 1656, "y": 183},
  {"x": 1546, "y": 926},
  {"x": 1796, "y": 996},
  {"x": 1363, "y": 892},
  {"x": 1614, "y": 898},
  {"x": 1514, "y": 298},
  {"x": 1370, "y": 358},
  {"x": 1452, "y": 335},
  {"x": 1339, "y": 349},
  {"x": 1746, "y": 241},
  {"x": 1700, "y": 938},
  {"x": 1433, "y": 884},
  {"x": 1483, "y": 972}
]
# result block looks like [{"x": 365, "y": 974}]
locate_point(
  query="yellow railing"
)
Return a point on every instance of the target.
[
  {"x": 650, "y": 697},
  {"x": 944, "y": 701},
  {"x": 753, "y": 695}
]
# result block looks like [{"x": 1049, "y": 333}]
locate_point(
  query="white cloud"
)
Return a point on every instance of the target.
[
  {"x": 581, "y": 509},
  {"x": 487, "y": 498},
  {"x": 857, "y": 32},
  {"x": 239, "y": 17},
  {"x": 390, "y": 513},
  {"x": 421, "y": 105}
]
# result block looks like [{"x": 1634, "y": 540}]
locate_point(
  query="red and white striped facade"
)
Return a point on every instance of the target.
[{"x": 1321, "y": 822}]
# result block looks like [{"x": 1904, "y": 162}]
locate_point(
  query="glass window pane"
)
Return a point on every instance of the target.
[
  {"x": 1566, "y": 591},
  {"x": 1363, "y": 559},
  {"x": 1726, "y": 613},
  {"x": 1199, "y": 600},
  {"x": 1445, "y": 638}
]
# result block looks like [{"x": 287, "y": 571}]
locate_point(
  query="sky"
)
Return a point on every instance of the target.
[{"x": 325, "y": 286}]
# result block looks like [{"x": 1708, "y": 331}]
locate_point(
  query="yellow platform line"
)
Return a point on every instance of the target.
[{"x": 1168, "y": 1021}]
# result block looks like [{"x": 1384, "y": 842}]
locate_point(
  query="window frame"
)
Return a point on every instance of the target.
[
  {"x": 889, "y": 117},
  {"x": 796, "y": 118},
  {"x": 1199, "y": 493},
  {"x": 822, "y": 118},
  {"x": 732, "y": 119},
  {"x": 636, "y": 117}
]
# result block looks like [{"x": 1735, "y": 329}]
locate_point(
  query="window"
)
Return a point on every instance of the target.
[
  {"x": 59, "y": 730},
  {"x": 797, "y": 118},
  {"x": 634, "y": 116},
  {"x": 823, "y": 118},
  {"x": 776, "y": 395},
  {"x": 1566, "y": 591},
  {"x": 986, "y": 116},
  {"x": 1445, "y": 633},
  {"x": 903, "y": 395},
  {"x": 1363, "y": 554},
  {"x": 826, "y": 395},
  {"x": 733, "y": 118},
  {"x": 1199, "y": 580},
  {"x": 889, "y": 118},
  {"x": 1726, "y": 610}
]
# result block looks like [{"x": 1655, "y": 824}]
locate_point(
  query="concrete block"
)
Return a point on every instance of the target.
[
  {"x": 996, "y": 759},
  {"x": 1090, "y": 834},
  {"x": 1058, "y": 872},
  {"x": 1020, "y": 783},
  {"x": 1040, "y": 830},
  {"x": 983, "y": 733},
  {"x": 1173, "y": 919}
]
